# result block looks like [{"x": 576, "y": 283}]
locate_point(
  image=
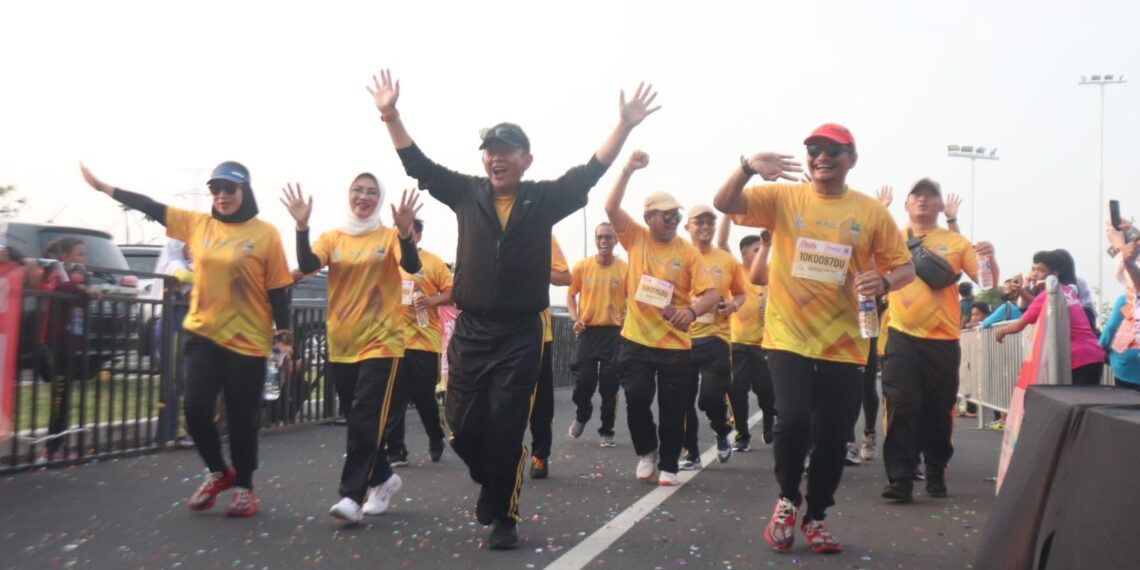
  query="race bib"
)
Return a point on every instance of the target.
[
  {"x": 821, "y": 261},
  {"x": 654, "y": 291},
  {"x": 408, "y": 292}
]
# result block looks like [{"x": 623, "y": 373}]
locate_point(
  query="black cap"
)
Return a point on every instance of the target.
[
  {"x": 926, "y": 184},
  {"x": 509, "y": 133}
]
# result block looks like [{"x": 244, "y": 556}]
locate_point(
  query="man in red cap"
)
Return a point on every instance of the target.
[{"x": 829, "y": 244}]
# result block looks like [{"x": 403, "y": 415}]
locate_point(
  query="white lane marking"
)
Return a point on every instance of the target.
[{"x": 586, "y": 551}]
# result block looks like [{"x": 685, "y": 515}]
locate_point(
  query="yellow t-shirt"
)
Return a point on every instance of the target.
[
  {"x": 600, "y": 289},
  {"x": 748, "y": 320},
  {"x": 235, "y": 266},
  {"x": 434, "y": 278},
  {"x": 503, "y": 206},
  {"x": 364, "y": 314},
  {"x": 557, "y": 263},
  {"x": 678, "y": 263},
  {"x": 720, "y": 266},
  {"x": 922, "y": 312},
  {"x": 819, "y": 242}
]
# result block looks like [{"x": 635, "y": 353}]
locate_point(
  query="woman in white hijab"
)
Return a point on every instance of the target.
[{"x": 365, "y": 328}]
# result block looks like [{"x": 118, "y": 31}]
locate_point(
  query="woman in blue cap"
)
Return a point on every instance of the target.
[{"x": 240, "y": 287}]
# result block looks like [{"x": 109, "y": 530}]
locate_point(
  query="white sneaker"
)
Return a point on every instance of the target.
[
  {"x": 647, "y": 466},
  {"x": 867, "y": 450},
  {"x": 380, "y": 497},
  {"x": 667, "y": 479},
  {"x": 852, "y": 454},
  {"x": 576, "y": 429},
  {"x": 347, "y": 510},
  {"x": 608, "y": 441}
]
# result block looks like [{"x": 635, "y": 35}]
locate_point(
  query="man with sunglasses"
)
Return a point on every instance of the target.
[
  {"x": 710, "y": 373},
  {"x": 501, "y": 286},
  {"x": 596, "y": 303},
  {"x": 825, "y": 237},
  {"x": 668, "y": 288}
]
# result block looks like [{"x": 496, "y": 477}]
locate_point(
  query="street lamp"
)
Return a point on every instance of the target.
[
  {"x": 973, "y": 153},
  {"x": 1100, "y": 81}
]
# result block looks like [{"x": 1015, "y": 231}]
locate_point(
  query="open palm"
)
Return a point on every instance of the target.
[
  {"x": 638, "y": 108},
  {"x": 299, "y": 208},
  {"x": 385, "y": 92}
]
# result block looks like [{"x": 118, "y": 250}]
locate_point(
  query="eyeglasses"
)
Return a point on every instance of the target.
[
  {"x": 219, "y": 186},
  {"x": 605, "y": 237},
  {"x": 672, "y": 217},
  {"x": 365, "y": 192},
  {"x": 832, "y": 150}
]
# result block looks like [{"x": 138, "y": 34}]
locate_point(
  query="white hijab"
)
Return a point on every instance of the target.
[{"x": 355, "y": 226}]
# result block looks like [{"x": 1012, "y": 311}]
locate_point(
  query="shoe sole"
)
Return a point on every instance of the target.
[
  {"x": 342, "y": 516},
  {"x": 241, "y": 514},
  {"x": 776, "y": 545},
  {"x": 898, "y": 499},
  {"x": 826, "y": 549}
]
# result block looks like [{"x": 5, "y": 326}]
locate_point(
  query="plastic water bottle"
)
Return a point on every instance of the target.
[
  {"x": 422, "y": 316},
  {"x": 273, "y": 376},
  {"x": 868, "y": 316},
  {"x": 985, "y": 272}
]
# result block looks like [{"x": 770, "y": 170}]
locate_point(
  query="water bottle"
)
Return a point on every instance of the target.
[
  {"x": 868, "y": 316},
  {"x": 422, "y": 315},
  {"x": 273, "y": 376},
  {"x": 985, "y": 272}
]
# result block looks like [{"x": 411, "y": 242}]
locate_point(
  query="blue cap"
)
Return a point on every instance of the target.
[{"x": 232, "y": 171}]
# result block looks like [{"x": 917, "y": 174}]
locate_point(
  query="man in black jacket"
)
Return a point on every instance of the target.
[{"x": 501, "y": 286}]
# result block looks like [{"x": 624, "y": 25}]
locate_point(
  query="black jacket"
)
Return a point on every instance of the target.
[{"x": 503, "y": 273}]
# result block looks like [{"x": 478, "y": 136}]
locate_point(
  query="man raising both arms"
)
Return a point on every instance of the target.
[
  {"x": 501, "y": 285},
  {"x": 596, "y": 302},
  {"x": 665, "y": 275},
  {"x": 824, "y": 239}
]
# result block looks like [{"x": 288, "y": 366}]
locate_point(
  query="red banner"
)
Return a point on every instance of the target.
[{"x": 11, "y": 284}]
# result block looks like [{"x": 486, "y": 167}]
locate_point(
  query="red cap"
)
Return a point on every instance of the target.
[{"x": 832, "y": 132}]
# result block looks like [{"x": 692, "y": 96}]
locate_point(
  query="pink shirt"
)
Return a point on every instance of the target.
[{"x": 1085, "y": 347}]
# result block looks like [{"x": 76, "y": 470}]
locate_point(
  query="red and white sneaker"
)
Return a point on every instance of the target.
[
  {"x": 781, "y": 530},
  {"x": 820, "y": 540},
  {"x": 203, "y": 498},
  {"x": 242, "y": 504}
]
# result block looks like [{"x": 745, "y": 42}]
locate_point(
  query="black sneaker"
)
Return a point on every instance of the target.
[
  {"x": 935, "y": 483},
  {"x": 484, "y": 512},
  {"x": 723, "y": 449},
  {"x": 539, "y": 468},
  {"x": 504, "y": 535},
  {"x": 742, "y": 445},
  {"x": 435, "y": 450},
  {"x": 901, "y": 491},
  {"x": 398, "y": 459}
]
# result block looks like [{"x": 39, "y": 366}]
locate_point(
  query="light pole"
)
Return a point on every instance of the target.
[
  {"x": 972, "y": 153},
  {"x": 1100, "y": 81}
]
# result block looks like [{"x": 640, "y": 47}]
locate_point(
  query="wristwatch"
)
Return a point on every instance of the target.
[{"x": 745, "y": 167}]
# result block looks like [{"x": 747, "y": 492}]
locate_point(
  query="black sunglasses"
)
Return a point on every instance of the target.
[
  {"x": 501, "y": 132},
  {"x": 832, "y": 150},
  {"x": 672, "y": 217},
  {"x": 219, "y": 186}
]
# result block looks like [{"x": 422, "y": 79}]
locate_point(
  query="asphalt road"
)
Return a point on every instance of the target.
[{"x": 131, "y": 513}]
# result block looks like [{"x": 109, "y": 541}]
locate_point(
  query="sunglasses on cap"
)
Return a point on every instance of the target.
[
  {"x": 832, "y": 150},
  {"x": 219, "y": 186}
]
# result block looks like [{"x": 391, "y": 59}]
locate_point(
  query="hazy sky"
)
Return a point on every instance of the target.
[{"x": 152, "y": 95}]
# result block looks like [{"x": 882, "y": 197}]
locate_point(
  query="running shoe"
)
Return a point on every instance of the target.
[
  {"x": 576, "y": 429},
  {"x": 742, "y": 445},
  {"x": 867, "y": 450},
  {"x": 243, "y": 503},
  {"x": 723, "y": 449},
  {"x": 667, "y": 479},
  {"x": 435, "y": 450},
  {"x": 504, "y": 535},
  {"x": 398, "y": 459},
  {"x": 936, "y": 483},
  {"x": 900, "y": 491},
  {"x": 539, "y": 468},
  {"x": 647, "y": 466},
  {"x": 608, "y": 441},
  {"x": 996, "y": 425},
  {"x": 820, "y": 540},
  {"x": 380, "y": 497},
  {"x": 852, "y": 454},
  {"x": 203, "y": 498},
  {"x": 781, "y": 530},
  {"x": 690, "y": 463},
  {"x": 347, "y": 510}
]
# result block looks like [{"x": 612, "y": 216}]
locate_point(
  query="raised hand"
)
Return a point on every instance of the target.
[
  {"x": 299, "y": 208},
  {"x": 95, "y": 182},
  {"x": 384, "y": 92},
  {"x": 953, "y": 202},
  {"x": 773, "y": 166},
  {"x": 885, "y": 195},
  {"x": 637, "y": 161},
  {"x": 405, "y": 215},
  {"x": 637, "y": 108}
]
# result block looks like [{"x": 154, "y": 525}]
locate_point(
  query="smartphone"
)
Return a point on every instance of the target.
[{"x": 1114, "y": 213}]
